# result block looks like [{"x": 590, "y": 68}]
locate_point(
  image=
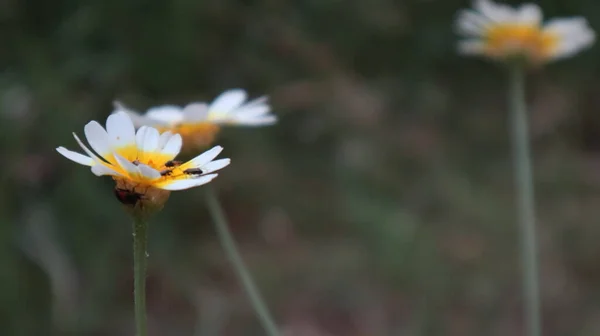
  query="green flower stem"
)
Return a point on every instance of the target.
[
  {"x": 525, "y": 200},
  {"x": 216, "y": 212},
  {"x": 140, "y": 241}
]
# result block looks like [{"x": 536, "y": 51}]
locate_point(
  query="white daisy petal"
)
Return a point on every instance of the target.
[
  {"x": 204, "y": 158},
  {"x": 163, "y": 139},
  {"x": 259, "y": 121},
  {"x": 573, "y": 35},
  {"x": 167, "y": 114},
  {"x": 188, "y": 183},
  {"x": 173, "y": 146},
  {"x": 568, "y": 27},
  {"x": 120, "y": 129},
  {"x": 195, "y": 112},
  {"x": 257, "y": 101},
  {"x": 148, "y": 172},
  {"x": 99, "y": 168},
  {"x": 252, "y": 111},
  {"x": 76, "y": 157},
  {"x": 97, "y": 138},
  {"x": 470, "y": 23},
  {"x": 215, "y": 165},
  {"x": 495, "y": 12},
  {"x": 150, "y": 140},
  {"x": 530, "y": 14},
  {"x": 227, "y": 101},
  {"x": 87, "y": 150},
  {"x": 140, "y": 135}
]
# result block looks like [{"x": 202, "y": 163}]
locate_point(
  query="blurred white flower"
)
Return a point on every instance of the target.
[
  {"x": 499, "y": 31},
  {"x": 142, "y": 163},
  {"x": 198, "y": 123}
]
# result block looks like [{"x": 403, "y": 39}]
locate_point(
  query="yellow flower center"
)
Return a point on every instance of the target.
[
  {"x": 155, "y": 160},
  {"x": 505, "y": 40}
]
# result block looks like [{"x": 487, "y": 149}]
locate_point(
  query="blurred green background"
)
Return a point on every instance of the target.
[{"x": 380, "y": 204}]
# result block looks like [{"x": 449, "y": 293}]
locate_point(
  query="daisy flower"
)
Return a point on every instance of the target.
[
  {"x": 198, "y": 123},
  {"x": 142, "y": 163},
  {"x": 499, "y": 31}
]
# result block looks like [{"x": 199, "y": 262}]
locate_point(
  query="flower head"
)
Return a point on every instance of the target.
[
  {"x": 499, "y": 31},
  {"x": 198, "y": 123},
  {"x": 142, "y": 163}
]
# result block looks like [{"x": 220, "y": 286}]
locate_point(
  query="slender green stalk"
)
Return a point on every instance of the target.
[
  {"x": 140, "y": 241},
  {"x": 525, "y": 200},
  {"x": 226, "y": 238}
]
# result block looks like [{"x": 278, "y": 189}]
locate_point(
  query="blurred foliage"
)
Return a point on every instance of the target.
[{"x": 381, "y": 204}]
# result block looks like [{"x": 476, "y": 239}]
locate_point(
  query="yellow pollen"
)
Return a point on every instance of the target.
[{"x": 505, "y": 40}]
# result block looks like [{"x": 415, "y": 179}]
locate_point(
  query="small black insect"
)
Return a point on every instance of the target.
[
  {"x": 172, "y": 163},
  {"x": 127, "y": 197},
  {"x": 136, "y": 162},
  {"x": 193, "y": 171},
  {"x": 166, "y": 172}
]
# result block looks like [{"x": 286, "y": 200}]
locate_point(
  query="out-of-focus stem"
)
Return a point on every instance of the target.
[
  {"x": 525, "y": 200},
  {"x": 226, "y": 238}
]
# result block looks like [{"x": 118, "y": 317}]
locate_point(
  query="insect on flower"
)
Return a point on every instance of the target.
[
  {"x": 501, "y": 32},
  {"x": 142, "y": 163},
  {"x": 127, "y": 197}
]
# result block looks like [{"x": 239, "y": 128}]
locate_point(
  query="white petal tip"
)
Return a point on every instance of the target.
[{"x": 75, "y": 157}]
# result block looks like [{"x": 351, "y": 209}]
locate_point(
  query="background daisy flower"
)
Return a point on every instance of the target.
[
  {"x": 499, "y": 31},
  {"x": 142, "y": 163},
  {"x": 198, "y": 123}
]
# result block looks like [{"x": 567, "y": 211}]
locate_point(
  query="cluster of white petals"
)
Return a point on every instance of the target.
[
  {"x": 229, "y": 108},
  {"x": 144, "y": 157},
  {"x": 500, "y": 31}
]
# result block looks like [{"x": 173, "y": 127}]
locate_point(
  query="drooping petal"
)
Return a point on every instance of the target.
[
  {"x": 76, "y": 157},
  {"x": 186, "y": 183},
  {"x": 120, "y": 129}
]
